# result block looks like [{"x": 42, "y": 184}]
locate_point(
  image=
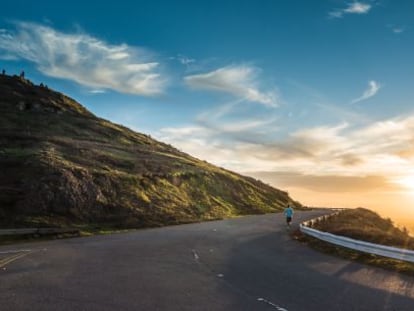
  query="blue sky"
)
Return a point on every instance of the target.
[{"x": 302, "y": 94}]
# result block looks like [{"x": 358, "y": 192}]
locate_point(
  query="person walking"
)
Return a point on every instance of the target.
[{"x": 289, "y": 215}]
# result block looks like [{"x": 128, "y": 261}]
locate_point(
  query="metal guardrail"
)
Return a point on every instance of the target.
[
  {"x": 371, "y": 248},
  {"x": 38, "y": 231}
]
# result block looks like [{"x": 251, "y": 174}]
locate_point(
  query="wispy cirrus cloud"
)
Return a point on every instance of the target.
[
  {"x": 239, "y": 80},
  {"x": 97, "y": 91},
  {"x": 397, "y": 30},
  {"x": 84, "y": 59},
  {"x": 352, "y": 8},
  {"x": 382, "y": 148},
  {"x": 329, "y": 165},
  {"x": 185, "y": 60},
  {"x": 373, "y": 88}
]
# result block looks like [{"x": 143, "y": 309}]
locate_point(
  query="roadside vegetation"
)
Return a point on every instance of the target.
[{"x": 365, "y": 225}]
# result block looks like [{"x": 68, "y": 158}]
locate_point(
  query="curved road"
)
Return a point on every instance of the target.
[{"x": 247, "y": 263}]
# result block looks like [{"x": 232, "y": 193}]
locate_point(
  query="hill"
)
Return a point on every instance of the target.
[
  {"x": 61, "y": 165},
  {"x": 366, "y": 225}
]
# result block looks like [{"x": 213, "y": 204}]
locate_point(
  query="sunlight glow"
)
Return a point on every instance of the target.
[{"x": 407, "y": 182}]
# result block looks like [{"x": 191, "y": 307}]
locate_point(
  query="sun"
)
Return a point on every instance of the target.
[{"x": 406, "y": 182}]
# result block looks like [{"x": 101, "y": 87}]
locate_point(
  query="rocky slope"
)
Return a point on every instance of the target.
[{"x": 60, "y": 165}]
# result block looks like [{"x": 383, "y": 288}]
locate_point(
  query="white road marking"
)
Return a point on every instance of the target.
[
  {"x": 10, "y": 259},
  {"x": 220, "y": 275},
  {"x": 196, "y": 257},
  {"x": 272, "y": 304},
  {"x": 16, "y": 251}
]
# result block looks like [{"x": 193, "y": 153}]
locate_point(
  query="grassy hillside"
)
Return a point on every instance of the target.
[
  {"x": 365, "y": 225},
  {"x": 61, "y": 165}
]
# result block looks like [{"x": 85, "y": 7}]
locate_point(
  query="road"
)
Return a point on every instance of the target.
[{"x": 247, "y": 263}]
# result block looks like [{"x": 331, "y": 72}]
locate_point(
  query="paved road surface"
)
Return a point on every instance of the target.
[{"x": 247, "y": 263}]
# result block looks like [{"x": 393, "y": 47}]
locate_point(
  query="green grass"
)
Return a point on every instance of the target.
[
  {"x": 63, "y": 166},
  {"x": 362, "y": 224}
]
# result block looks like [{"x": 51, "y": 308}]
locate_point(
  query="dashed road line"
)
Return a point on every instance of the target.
[
  {"x": 272, "y": 304},
  {"x": 196, "y": 257}
]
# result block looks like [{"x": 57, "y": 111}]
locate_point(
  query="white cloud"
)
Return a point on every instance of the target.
[
  {"x": 373, "y": 88},
  {"x": 185, "y": 60},
  {"x": 358, "y": 8},
  {"x": 8, "y": 57},
  {"x": 398, "y": 30},
  {"x": 352, "y": 8},
  {"x": 97, "y": 91},
  {"x": 84, "y": 59},
  {"x": 240, "y": 81},
  {"x": 336, "y": 14},
  {"x": 381, "y": 148}
]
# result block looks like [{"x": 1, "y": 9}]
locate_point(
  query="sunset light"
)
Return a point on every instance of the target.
[
  {"x": 407, "y": 182},
  {"x": 244, "y": 95},
  {"x": 213, "y": 155}
]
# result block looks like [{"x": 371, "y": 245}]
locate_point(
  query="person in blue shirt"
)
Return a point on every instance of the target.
[{"x": 289, "y": 214}]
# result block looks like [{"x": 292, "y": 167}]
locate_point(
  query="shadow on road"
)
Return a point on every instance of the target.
[{"x": 289, "y": 275}]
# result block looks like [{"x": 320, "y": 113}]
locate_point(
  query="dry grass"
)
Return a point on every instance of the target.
[
  {"x": 63, "y": 166},
  {"x": 365, "y": 225}
]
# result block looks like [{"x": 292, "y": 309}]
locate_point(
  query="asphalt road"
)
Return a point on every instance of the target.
[{"x": 247, "y": 263}]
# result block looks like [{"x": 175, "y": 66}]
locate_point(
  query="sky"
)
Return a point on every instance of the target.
[{"x": 312, "y": 97}]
